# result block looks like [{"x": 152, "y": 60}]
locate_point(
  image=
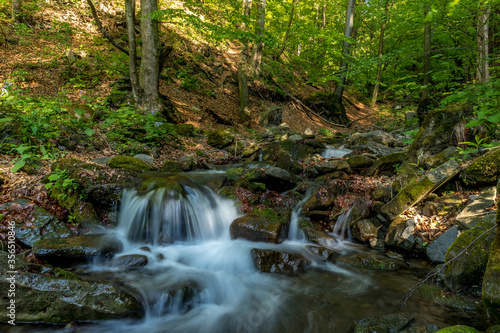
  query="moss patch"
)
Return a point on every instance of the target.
[
  {"x": 129, "y": 163},
  {"x": 484, "y": 170}
]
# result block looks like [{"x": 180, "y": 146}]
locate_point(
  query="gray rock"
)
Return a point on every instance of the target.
[
  {"x": 188, "y": 162},
  {"x": 378, "y": 136},
  {"x": 102, "y": 160},
  {"x": 400, "y": 234},
  {"x": 365, "y": 230},
  {"x": 145, "y": 158},
  {"x": 288, "y": 163},
  {"x": 478, "y": 209},
  {"x": 380, "y": 149},
  {"x": 279, "y": 262},
  {"x": 279, "y": 179},
  {"x": 272, "y": 116},
  {"x": 295, "y": 137},
  {"x": 436, "y": 251},
  {"x": 130, "y": 261},
  {"x": 332, "y": 166}
]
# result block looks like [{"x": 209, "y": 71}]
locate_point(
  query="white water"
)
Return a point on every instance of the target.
[
  {"x": 294, "y": 232},
  {"x": 335, "y": 152}
]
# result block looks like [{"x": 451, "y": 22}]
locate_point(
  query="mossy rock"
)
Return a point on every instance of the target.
[
  {"x": 483, "y": 171},
  {"x": 387, "y": 323},
  {"x": 441, "y": 158},
  {"x": 439, "y": 295},
  {"x": 386, "y": 165},
  {"x": 371, "y": 261},
  {"x": 184, "y": 129},
  {"x": 234, "y": 173},
  {"x": 360, "y": 161},
  {"x": 468, "y": 268},
  {"x": 458, "y": 329},
  {"x": 129, "y": 163},
  {"x": 220, "y": 139},
  {"x": 171, "y": 166},
  {"x": 169, "y": 184},
  {"x": 260, "y": 225},
  {"x": 277, "y": 262}
]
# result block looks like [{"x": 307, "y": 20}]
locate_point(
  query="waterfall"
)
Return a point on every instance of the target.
[
  {"x": 294, "y": 232},
  {"x": 342, "y": 229},
  {"x": 166, "y": 216},
  {"x": 331, "y": 152}
]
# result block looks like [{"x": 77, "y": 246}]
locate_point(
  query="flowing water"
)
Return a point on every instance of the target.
[
  {"x": 332, "y": 152},
  {"x": 199, "y": 280}
]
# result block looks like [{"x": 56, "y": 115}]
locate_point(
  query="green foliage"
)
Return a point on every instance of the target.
[
  {"x": 188, "y": 80},
  {"x": 60, "y": 183},
  {"x": 473, "y": 148},
  {"x": 30, "y": 155},
  {"x": 411, "y": 134}
]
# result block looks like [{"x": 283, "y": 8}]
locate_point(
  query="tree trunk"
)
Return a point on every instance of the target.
[
  {"x": 150, "y": 61},
  {"x": 349, "y": 24},
  {"x": 16, "y": 11},
  {"x": 380, "y": 53},
  {"x": 242, "y": 69},
  {"x": 257, "y": 49},
  {"x": 132, "y": 56},
  {"x": 287, "y": 33},
  {"x": 424, "y": 104},
  {"x": 483, "y": 71}
]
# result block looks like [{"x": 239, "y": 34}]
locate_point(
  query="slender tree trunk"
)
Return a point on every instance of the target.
[
  {"x": 16, "y": 11},
  {"x": 380, "y": 52},
  {"x": 483, "y": 71},
  {"x": 132, "y": 56},
  {"x": 258, "y": 47},
  {"x": 150, "y": 62},
  {"x": 242, "y": 71},
  {"x": 349, "y": 24},
  {"x": 424, "y": 104},
  {"x": 287, "y": 33}
]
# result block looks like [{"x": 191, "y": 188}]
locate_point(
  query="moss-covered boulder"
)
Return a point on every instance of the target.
[
  {"x": 436, "y": 131},
  {"x": 469, "y": 255},
  {"x": 450, "y": 300},
  {"x": 324, "y": 196},
  {"x": 387, "y": 323},
  {"x": 184, "y": 129},
  {"x": 416, "y": 191},
  {"x": 279, "y": 179},
  {"x": 491, "y": 280},
  {"x": 220, "y": 139},
  {"x": 67, "y": 251},
  {"x": 260, "y": 225},
  {"x": 386, "y": 165},
  {"x": 360, "y": 161},
  {"x": 129, "y": 163},
  {"x": 288, "y": 163},
  {"x": 441, "y": 158},
  {"x": 332, "y": 166},
  {"x": 279, "y": 262},
  {"x": 53, "y": 299},
  {"x": 458, "y": 329},
  {"x": 483, "y": 171}
]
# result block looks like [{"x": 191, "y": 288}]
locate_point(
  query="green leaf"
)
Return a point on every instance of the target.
[
  {"x": 4, "y": 120},
  {"x": 474, "y": 123},
  {"x": 18, "y": 165},
  {"x": 495, "y": 118},
  {"x": 89, "y": 131}
]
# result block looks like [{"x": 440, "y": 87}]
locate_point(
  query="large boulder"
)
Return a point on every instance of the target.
[
  {"x": 386, "y": 165},
  {"x": 129, "y": 163},
  {"x": 279, "y": 179},
  {"x": 401, "y": 234},
  {"x": 220, "y": 139},
  {"x": 483, "y": 171},
  {"x": 272, "y": 116},
  {"x": 324, "y": 196},
  {"x": 378, "y": 136},
  {"x": 467, "y": 257},
  {"x": 491, "y": 280},
  {"x": 436, "y": 131},
  {"x": 416, "y": 191},
  {"x": 477, "y": 210},
  {"x": 260, "y": 225},
  {"x": 288, "y": 163},
  {"x": 279, "y": 262},
  {"x": 436, "y": 250}
]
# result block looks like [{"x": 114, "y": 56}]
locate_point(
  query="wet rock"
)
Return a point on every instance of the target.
[
  {"x": 319, "y": 237},
  {"x": 260, "y": 225},
  {"x": 184, "y": 129},
  {"x": 468, "y": 268},
  {"x": 146, "y": 158},
  {"x": 71, "y": 250},
  {"x": 477, "y": 210},
  {"x": 416, "y": 191},
  {"x": 386, "y": 165},
  {"x": 437, "y": 249},
  {"x": 441, "y": 158},
  {"x": 365, "y": 229},
  {"x": 332, "y": 166},
  {"x": 360, "y": 161},
  {"x": 483, "y": 171},
  {"x": 130, "y": 261},
  {"x": 279, "y": 262},
  {"x": 370, "y": 260},
  {"x": 382, "y": 324},
  {"x": 315, "y": 144},
  {"x": 220, "y": 138},
  {"x": 383, "y": 193},
  {"x": 106, "y": 196},
  {"x": 323, "y": 197},
  {"x": 272, "y": 116},
  {"x": 377, "y": 136},
  {"x": 288, "y": 163},
  {"x": 189, "y": 162},
  {"x": 280, "y": 180},
  {"x": 440, "y": 295},
  {"x": 171, "y": 166},
  {"x": 458, "y": 329},
  {"x": 491, "y": 279},
  {"x": 380, "y": 149},
  {"x": 400, "y": 234},
  {"x": 321, "y": 252},
  {"x": 129, "y": 163},
  {"x": 493, "y": 329},
  {"x": 51, "y": 299}
]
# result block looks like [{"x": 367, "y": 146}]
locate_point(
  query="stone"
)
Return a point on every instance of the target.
[
  {"x": 280, "y": 180},
  {"x": 220, "y": 139},
  {"x": 441, "y": 158},
  {"x": 365, "y": 229},
  {"x": 66, "y": 144},
  {"x": 370, "y": 260},
  {"x": 53, "y": 299},
  {"x": 382, "y": 324},
  {"x": 386, "y": 165},
  {"x": 67, "y": 251},
  {"x": 360, "y": 161},
  {"x": 101, "y": 160},
  {"x": 381, "y": 149},
  {"x": 332, "y": 166},
  {"x": 458, "y": 329},
  {"x": 272, "y": 116},
  {"x": 171, "y": 166},
  {"x": 130, "y": 261},
  {"x": 146, "y": 158},
  {"x": 279, "y": 262},
  {"x": 260, "y": 225},
  {"x": 377, "y": 136},
  {"x": 478, "y": 209},
  {"x": 400, "y": 234},
  {"x": 308, "y": 133},
  {"x": 288, "y": 163},
  {"x": 79, "y": 140},
  {"x": 467, "y": 268},
  {"x": 436, "y": 250},
  {"x": 295, "y": 137},
  {"x": 184, "y": 129},
  {"x": 321, "y": 252},
  {"x": 417, "y": 190},
  {"x": 188, "y": 162},
  {"x": 483, "y": 171},
  {"x": 323, "y": 197},
  {"x": 129, "y": 163},
  {"x": 319, "y": 237},
  {"x": 382, "y": 193}
]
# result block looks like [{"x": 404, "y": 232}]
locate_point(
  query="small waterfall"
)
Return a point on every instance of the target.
[
  {"x": 342, "y": 229},
  {"x": 331, "y": 152},
  {"x": 294, "y": 232},
  {"x": 168, "y": 216}
]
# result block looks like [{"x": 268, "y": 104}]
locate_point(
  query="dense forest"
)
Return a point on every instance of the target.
[{"x": 250, "y": 165}]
